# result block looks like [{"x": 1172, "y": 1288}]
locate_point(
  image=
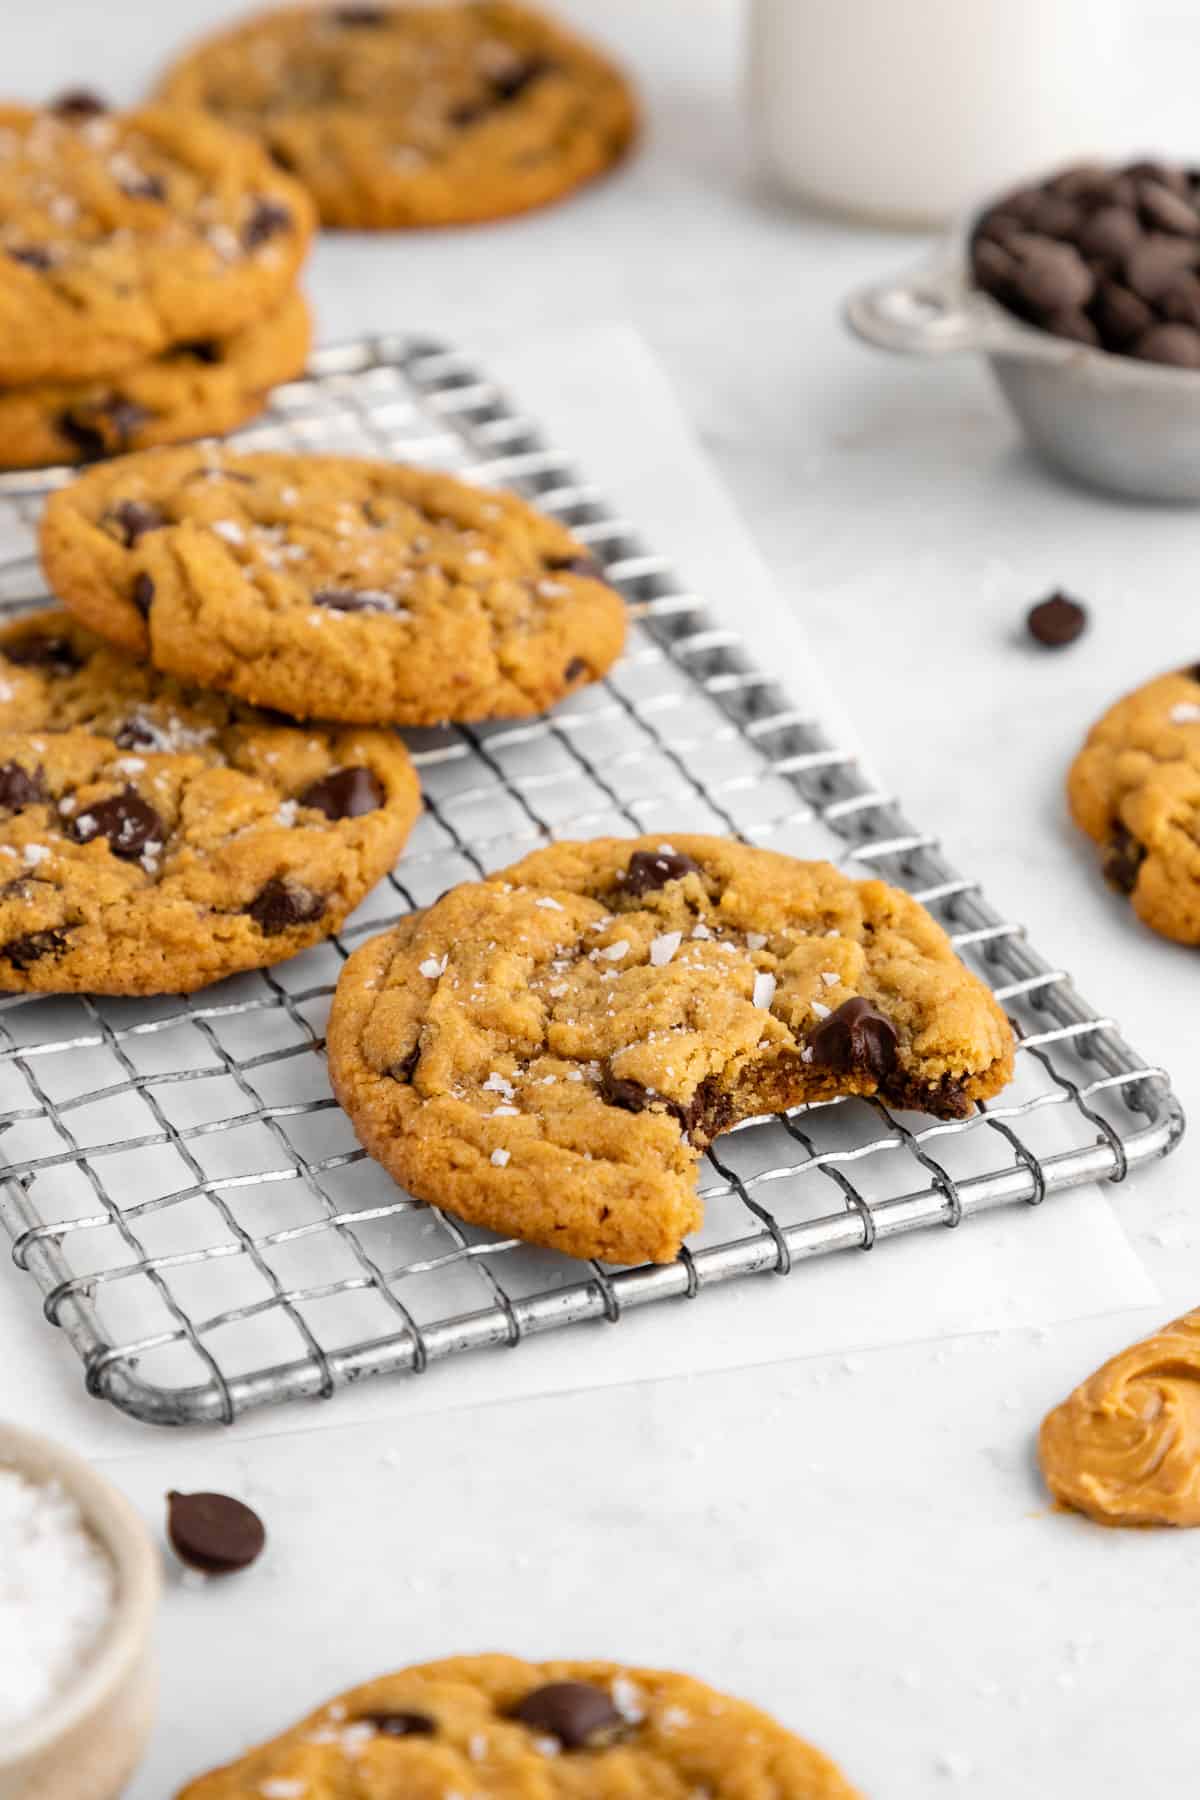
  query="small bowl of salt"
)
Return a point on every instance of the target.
[{"x": 79, "y": 1587}]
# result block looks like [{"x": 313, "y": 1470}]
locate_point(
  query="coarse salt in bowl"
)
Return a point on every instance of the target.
[{"x": 79, "y": 1585}]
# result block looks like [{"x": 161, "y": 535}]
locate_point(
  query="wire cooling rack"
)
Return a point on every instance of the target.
[{"x": 178, "y": 1179}]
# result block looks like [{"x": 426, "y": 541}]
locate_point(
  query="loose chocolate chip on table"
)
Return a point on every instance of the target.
[
  {"x": 78, "y": 103},
  {"x": 34, "y": 256},
  {"x": 1056, "y": 620},
  {"x": 267, "y": 220},
  {"x": 134, "y": 518},
  {"x": 574, "y": 1712},
  {"x": 280, "y": 905},
  {"x": 345, "y": 794},
  {"x": 652, "y": 869},
  {"x": 1123, "y": 859},
  {"x": 855, "y": 1038},
  {"x": 142, "y": 593},
  {"x": 1176, "y": 345},
  {"x": 126, "y": 820},
  {"x": 44, "y": 653},
  {"x": 21, "y": 952},
  {"x": 214, "y": 1533},
  {"x": 351, "y": 600},
  {"x": 398, "y": 1724},
  {"x": 18, "y": 788}
]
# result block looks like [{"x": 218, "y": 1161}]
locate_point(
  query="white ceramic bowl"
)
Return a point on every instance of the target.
[{"x": 86, "y": 1744}]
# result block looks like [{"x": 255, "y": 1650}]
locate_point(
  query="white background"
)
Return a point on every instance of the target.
[{"x": 862, "y": 1546}]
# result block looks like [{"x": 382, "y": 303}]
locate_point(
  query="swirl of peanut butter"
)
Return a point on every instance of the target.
[{"x": 1125, "y": 1446}]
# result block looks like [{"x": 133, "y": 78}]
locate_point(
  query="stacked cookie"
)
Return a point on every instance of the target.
[
  {"x": 400, "y": 116},
  {"x": 148, "y": 266}
]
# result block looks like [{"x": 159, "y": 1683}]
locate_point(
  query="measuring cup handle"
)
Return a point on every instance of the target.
[{"x": 929, "y": 312}]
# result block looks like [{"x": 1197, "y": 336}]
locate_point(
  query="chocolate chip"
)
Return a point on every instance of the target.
[
  {"x": 360, "y": 15},
  {"x": 44, "y": 653},
  {"x": 205, "y": 350},
  {"x": 214, "y": 1533},
  {"x": 586, "y": 566},
  {"x": 142, "y": 593},
  {"x": 351, "y": 600},
  {"x": 398, "y": 1724},
  {"x": 138, "y": 734},
  {"x": 630, "y": 1096},
  {"x": 511, "y": 83},
  {"x": 574, "y": 1712},
  {"x": 78, "y": 103},
  {"x": 127, "y": 821},
  {"x": 1176, "y": 345},
  {"x": 1056, "y": 620},
  {"x": 345, "y": 794},
  {"x": 21, "y": 952},
  {"x": 406, "y": 1068},
  {"x": 133, "y": 519},
  {"x": 144, "y": 187},
  {"x": 1161, "y": 206},
  {"x": 575, "y": 668},
  {"x": 281, "y": 904},
  {"x": 649, "y": 870},
  {"x": 855, "y": 1039},
  {"x": 18, "y": 788},
  {"x": 266, "y": 221},
  {"x": 103, "y": 427},
  {"x": 1157, "y": 262},
  {"x": 34, "y": 256},
  {"x": 1123, "y": 859}
]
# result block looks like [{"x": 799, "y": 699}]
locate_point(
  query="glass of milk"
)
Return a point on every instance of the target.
[{"x": 904, "y": 111}]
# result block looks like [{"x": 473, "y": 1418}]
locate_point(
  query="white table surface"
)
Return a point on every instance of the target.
[{"x": 862, "y": 1547}]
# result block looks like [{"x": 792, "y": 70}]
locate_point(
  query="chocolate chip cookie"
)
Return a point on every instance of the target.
[
  {"x": 154, "y": 839},
  {"x": 201, "y": 389},
  {"x": 1135, "y": 789},
  {"x": 399, "y": 115},
  {"x": 493, "y": 1725},
  {"x": 332, "y": 588},
  {"x": 547, "y": 1052},
  {"x": 123, "y": 234},
  {"x": 1107, "y": 256}
]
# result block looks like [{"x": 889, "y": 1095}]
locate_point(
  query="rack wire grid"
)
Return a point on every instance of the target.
[{"x": 178, "y": 1178}]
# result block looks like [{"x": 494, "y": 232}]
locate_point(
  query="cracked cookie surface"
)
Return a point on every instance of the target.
[
  {"x": 154, "y": 839},
  {"x": 122, "y": 234},
  {"x": 497, "y": 1726},
  {"x": 202, "y": 389},
  {"x": 400, "y": 116},
  {"x": 1135, "y": 789},
  {"x": 331, "y": 587},
  {"x": 547, "y": 1052},
  {"x": 1125, "y": 1446}
]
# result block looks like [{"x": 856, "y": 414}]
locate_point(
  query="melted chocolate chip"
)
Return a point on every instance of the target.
[
  {"x": 587, "y": 566},
  {"x": 704, "y": 1117},
  {"x": 266, "y": 221},
  {"x": 214, "y": 1533},
  {"x": 103, "y": 428},
  {"x": 511, "y": 83},
  {"x": 649, "y": 870},
  {"x": 133, "y": 519},
  {"x": 856, "y": 1039},
  {"x": 398, "y": 1724},
  {"x": 205, "y": 350},
  {"x": 18, "y": 788},
  {"x": 345, "y": 794},
  {"x": 280, "y": 905},
  {"x": 127, "y": 821},
  {"x": 630, "y": 1096},
  {"x": 352, "y": 600},
  {"x": 574, "y": 1712},
  {"x": 34, "y": 256},
  {"x": 1123, "y": 860},
  {"x": 575, "y": 668},
  {"x": 359, "y": 15},
  {"x": 406, "y": 1068},
  {"x": 1056, "y": 621},
  {"x": 44, "y": 653},
  {"x": 138, "y": 734},
  {"x": 21, "y": 952},
  {"x": 142, "y": 593},
  {"x": 78, "y": 103}
]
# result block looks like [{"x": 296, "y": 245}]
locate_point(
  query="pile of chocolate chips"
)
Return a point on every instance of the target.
[{"x": 1109, "y": 257}]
